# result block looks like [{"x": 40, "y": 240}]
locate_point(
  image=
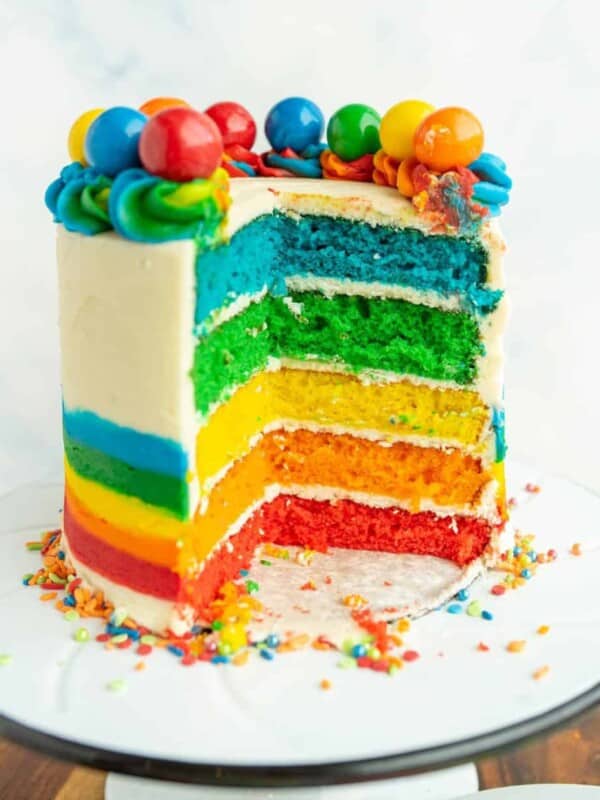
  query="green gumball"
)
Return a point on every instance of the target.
[{"x": 353, "y": 131}]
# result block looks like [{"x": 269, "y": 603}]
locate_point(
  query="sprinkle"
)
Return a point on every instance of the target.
[
  {"x": 148, "y": 638},
  {"x": 71, "y": 615},
  {"x": 34, "y": 545},
  {"x": 526, "y": 573},
  {"x": 355, "y": 600},
  {"x": 358, "y": 650},
  {"x": 265, "y": 563},
  {"x": 533, "y": 488},
  {"x": 267, "y": 654},
  {"x": 541, "y": 672},
  {"x": 144, "y": 650},
  {"x": 272, "y": 641},
  {"x": 74, "y": 584},
  {"x": 410, "y": 655},
  {"x": 223, "y": 659},
  {"x": 346, "y": 663},
  {"x": 241, "y": 658},
  {"x": 498, "y": 589},
  {"x": 516, "y": 646},
  {"x": 48, "y": 596},
  {"x": 140, "y": 666},
  {"x": 189, "y": 659},
  {"x": 177, "y": 651},
  {"x": 482, "y": 647},
  {"x": 117, "y": 685},
  {"x": 60, "y": 555},
  {"x": 69, "y": 601},
  {"x": 119, "y": 638},
  {"x": 118, "y": 617},
  {"x": 454, "y": 608},
  {"x": 244, "y": 572},
  {"x": 516, "y": 551},
  {"x": 575, "y": 549},
  {"x": 55, "y": 578},
  {"x": 217, "y": 625},
  {"x": 325, "y": 684},
  {"x": 543, "y": 630},
  {"x": 305, "y": 557},
  {"x": 81, "y": 635},
  {"x": 487, "y": 615},
  {"x": 474, "y": 609},
  {"x": 309, "y": 586},
  {"x": 5, "y": 659},
  {"x": 103, "y": 637},
  {"x": 532, "y": 555},
  {"x": 462, "y": 595},
  {"x": 403, "y": 625},
  {"x": 552, "y": 554},
  {"x": 252, "y": 586},
  {"x": 26, "y": 578},
  {"x": 124, "y": 645}
]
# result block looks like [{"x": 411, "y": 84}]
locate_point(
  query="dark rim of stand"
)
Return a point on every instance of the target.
[{"x": 335, "y": 772}]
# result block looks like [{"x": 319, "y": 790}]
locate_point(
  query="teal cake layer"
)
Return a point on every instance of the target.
[
  {"x": 358, "y": 332},
  {"x": 276, "y": 246}
]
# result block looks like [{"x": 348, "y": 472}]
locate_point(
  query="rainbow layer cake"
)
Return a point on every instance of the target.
[{"x": 300, "y": 347}]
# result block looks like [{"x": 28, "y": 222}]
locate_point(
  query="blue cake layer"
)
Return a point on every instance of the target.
[
  {"x": 273, "y": 247},
  {"x": 144, "y": 451}
]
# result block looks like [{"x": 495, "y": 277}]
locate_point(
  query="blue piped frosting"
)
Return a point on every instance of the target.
[
  {"x": 308, "y": 165},
  {"x": 494, "y": 185},
  {"x": 275, "y": 247},
  {"x": 140, "y": 450},
  {"x": 79, "y": 199}
]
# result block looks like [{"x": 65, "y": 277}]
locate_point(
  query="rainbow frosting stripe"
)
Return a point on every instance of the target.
[{"x": 297, "y": 360}]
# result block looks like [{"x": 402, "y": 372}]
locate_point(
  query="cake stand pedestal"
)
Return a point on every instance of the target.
[
  {"x": 445, "y": 784},
  {"x": 268, "y": 727}
]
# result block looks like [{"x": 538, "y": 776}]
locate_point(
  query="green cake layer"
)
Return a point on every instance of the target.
[
  {"x": 360, "y": 332},
  {"x": 164, "y": 491}
]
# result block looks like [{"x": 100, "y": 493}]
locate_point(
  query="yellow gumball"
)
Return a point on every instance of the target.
[
  {"x": 398, "y": 127},
  {"x": 78, "y": 133}
]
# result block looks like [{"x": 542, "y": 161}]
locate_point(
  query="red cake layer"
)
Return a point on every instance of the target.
[
  {"x": 315, "y": 524},
  {"x": 117, "y": 566},
  {"x": 287, "y": 520}
]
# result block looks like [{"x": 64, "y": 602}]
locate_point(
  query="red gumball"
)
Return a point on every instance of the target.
[
  {"x": 181, "y": 144},
  {"x": 235, "y": 123}
]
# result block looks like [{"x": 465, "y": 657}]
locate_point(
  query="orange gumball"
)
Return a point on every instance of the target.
[
  {"x": 447, "y": 138},
  {"x": 156, "y": 104}
]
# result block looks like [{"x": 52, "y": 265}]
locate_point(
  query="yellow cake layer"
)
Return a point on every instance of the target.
[{"x": 389, "y": 410}]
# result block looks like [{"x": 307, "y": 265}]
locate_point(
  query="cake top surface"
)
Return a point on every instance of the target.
[{"x": 162, "y": 172}]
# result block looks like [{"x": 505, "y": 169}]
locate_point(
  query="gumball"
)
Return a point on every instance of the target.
[
  {"x": 235, "y": 123},
  {"x": 398, "y": 126},
  {"x": 78, "y": 133},
  {"x": 294, "y": 122},
  {"x": 353, "y": 131},
  {"x": 181, "y": 144},
  {"x": 450, "y": 137},
  {"x": 156, "y": 104},
  {"x": 111, "y": 143}
]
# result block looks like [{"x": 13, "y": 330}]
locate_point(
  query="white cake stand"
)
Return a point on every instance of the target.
[{"x": 267, "y": 730}]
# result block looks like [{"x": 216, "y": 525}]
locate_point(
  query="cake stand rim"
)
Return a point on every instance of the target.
[{"x": 383, "y": 767}]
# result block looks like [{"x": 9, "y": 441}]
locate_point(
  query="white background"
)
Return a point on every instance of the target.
[{"x": 529, "y": 70}]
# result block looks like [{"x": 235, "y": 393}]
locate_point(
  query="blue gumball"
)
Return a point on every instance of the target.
[
  {"x": 111, "y": 143},
  {"x": 294, "y": 122}
]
